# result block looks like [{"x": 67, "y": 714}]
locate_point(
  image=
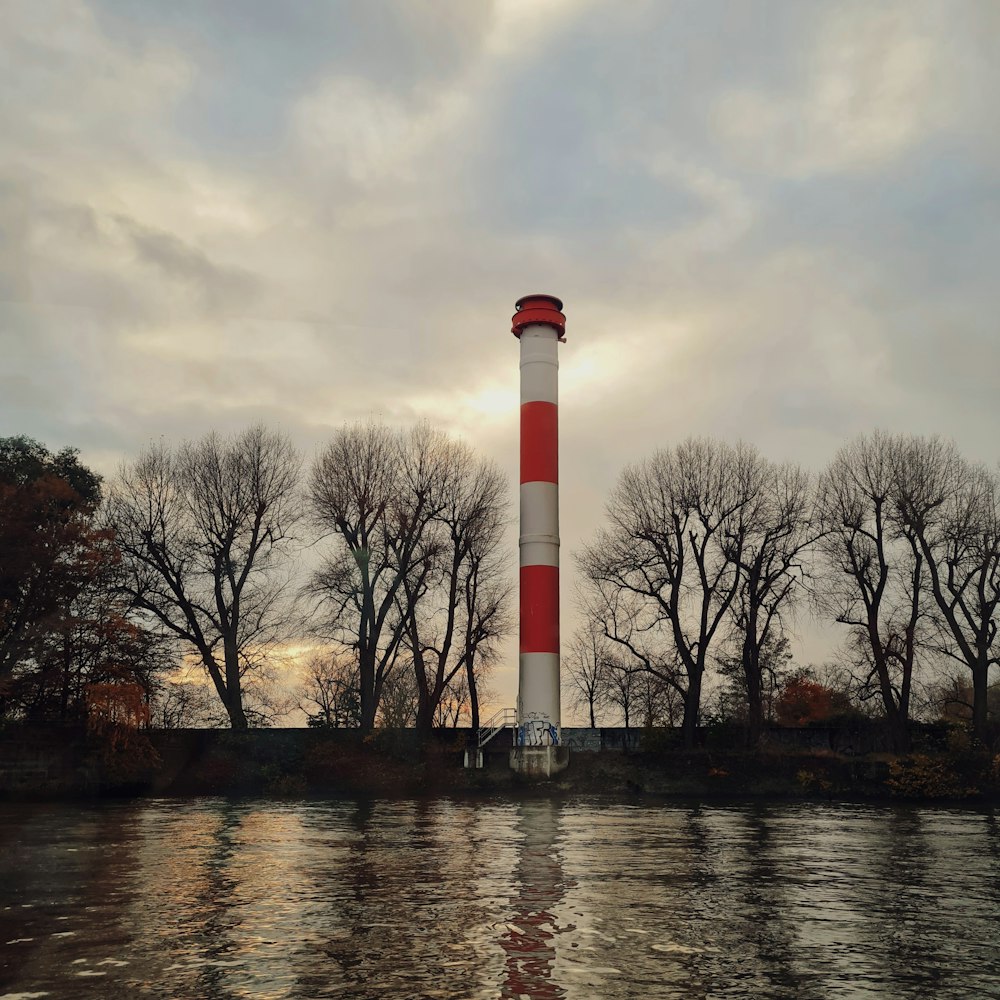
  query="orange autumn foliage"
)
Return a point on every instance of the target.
[
  {"x": 115, "y": 713},
  {"x": 116, "y": 705},
  {"x": 804, "y": 701}
]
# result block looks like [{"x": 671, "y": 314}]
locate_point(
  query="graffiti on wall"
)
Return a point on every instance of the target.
[{"x": 537, "y": 733}]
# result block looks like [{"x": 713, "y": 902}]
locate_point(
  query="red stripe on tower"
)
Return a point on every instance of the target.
[
  {"x": 539, "y": 442},
  {"x": 540, "y": 609}
]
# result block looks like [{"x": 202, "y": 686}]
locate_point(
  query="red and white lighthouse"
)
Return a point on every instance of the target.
[{"x": 540, "y": 325}]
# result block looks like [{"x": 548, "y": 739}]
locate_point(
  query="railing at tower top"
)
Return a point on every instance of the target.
[{"x": 501, "y": 720}]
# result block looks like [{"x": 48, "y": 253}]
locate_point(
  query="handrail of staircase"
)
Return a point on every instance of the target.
[{"x": 500, "y": 720}]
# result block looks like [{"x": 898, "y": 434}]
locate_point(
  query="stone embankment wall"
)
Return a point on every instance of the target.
[
  {"x": 47, "y": 762},
  {"x": 58, "y": 763}
]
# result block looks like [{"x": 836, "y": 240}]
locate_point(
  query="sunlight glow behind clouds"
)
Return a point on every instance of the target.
[{"x": 520, "y": 24}]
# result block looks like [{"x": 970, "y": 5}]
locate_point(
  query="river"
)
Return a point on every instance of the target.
[{"x": 213, "y": 898}]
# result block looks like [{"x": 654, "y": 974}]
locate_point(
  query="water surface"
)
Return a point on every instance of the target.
[{"x": 212, "y": 898}]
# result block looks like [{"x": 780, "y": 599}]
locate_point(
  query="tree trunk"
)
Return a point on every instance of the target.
[
  {"x": 470, "y": 674},
  {"x": 692, "y": 707},
  {"x": 980, "y": 693},
  {"x": 895, "y": 715},
  {"x": 369, "y": 703},
  {"x": 426, "y": 706},
  {"x": 899, "y": 731},
  {"x": 234, "y": 694},
  {"x": 237, "y": 717},
  {"x": 428, "y": 694},
  {"x": 752, "y": 679},
  {"x": 755, "y": 709}
]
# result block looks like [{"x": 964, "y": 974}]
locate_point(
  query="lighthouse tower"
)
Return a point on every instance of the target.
[{"x": 540, "y": 326}]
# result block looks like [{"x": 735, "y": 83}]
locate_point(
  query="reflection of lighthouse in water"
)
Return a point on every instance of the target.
[{"x": 529, "y": 941}]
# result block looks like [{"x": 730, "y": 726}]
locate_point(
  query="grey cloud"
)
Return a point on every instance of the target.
[
  {"x": 18, "y": 392},
  {"x": 14, "y": 227},
  {"x": 66, "y": 253},
  {"x": 254, "y": 58},
  {"x": 219, "y": 286}
]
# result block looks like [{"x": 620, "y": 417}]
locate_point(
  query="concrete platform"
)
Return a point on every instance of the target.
[{"x": 539, "y": 763}]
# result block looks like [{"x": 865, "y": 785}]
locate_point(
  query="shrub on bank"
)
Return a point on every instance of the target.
[{"x": 921, "y": 776}]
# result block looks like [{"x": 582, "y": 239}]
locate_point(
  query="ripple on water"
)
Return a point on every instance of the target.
[{"x": 537, "y": 899}]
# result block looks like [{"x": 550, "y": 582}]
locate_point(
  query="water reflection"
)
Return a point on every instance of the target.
[
  {"x": 906, "y": 858},
  {"x": 764, "y": 907},
  {"x": 529, "y": 940},
  {"x": 211, "y": 888},
  {"x": 540, "y": 899}
]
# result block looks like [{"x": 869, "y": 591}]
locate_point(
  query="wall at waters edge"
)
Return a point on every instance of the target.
[{"x": 54, "y": 763}]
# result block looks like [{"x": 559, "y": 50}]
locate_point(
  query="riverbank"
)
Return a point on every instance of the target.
[{"x": 63, "y": 764}]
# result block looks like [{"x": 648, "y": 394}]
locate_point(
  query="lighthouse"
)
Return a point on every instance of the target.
[{"x": 540, "y": 326}]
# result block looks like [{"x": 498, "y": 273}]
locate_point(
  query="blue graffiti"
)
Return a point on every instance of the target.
[{"x": 537, "y": 733}]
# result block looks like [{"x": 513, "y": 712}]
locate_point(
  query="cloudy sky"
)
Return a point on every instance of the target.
[{"x": 775, "y": 221}]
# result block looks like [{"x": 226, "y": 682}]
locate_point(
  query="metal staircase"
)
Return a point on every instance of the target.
[{"x": 500, "y": 721}]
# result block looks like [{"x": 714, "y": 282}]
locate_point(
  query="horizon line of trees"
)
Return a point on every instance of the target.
[
  {"x": 190, "y": 559},
  {"x": 708, "y": 549},
  {"x": 193, "y": 554}
]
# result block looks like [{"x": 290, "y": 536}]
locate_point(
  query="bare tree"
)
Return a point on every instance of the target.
[
  {"x": 657, "y": 702},
  {"x": 331, "y": 694},
  {"x": 622, "y": 687},
  {"x": 877, "y": 579},
  {"x": 412, "y": 523},
  {"x": 204, "y": 530},
  {"x": 666, "y": 571},
  {"x": 456, "y": 605},
  {"x": 397, "y": 707},
  {"x": 453, "y": 705},
  {"x": 773, "y": 659},
  {"x": 586, "y": 668},
  {"x": 777, "y": 527},
  {"x": 357, "y": 493},
  {"x": 952, "y": 699},
  {"x": 486, "y": 615},
  {"x": 950, "y": 511},
  {"x": 180, "y": 702}
]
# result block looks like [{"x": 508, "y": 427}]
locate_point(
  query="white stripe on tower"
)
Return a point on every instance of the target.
[{"x": 540, "y": 326}]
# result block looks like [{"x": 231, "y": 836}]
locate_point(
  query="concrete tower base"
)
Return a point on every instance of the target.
[{"x": 539, "y": 763}]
